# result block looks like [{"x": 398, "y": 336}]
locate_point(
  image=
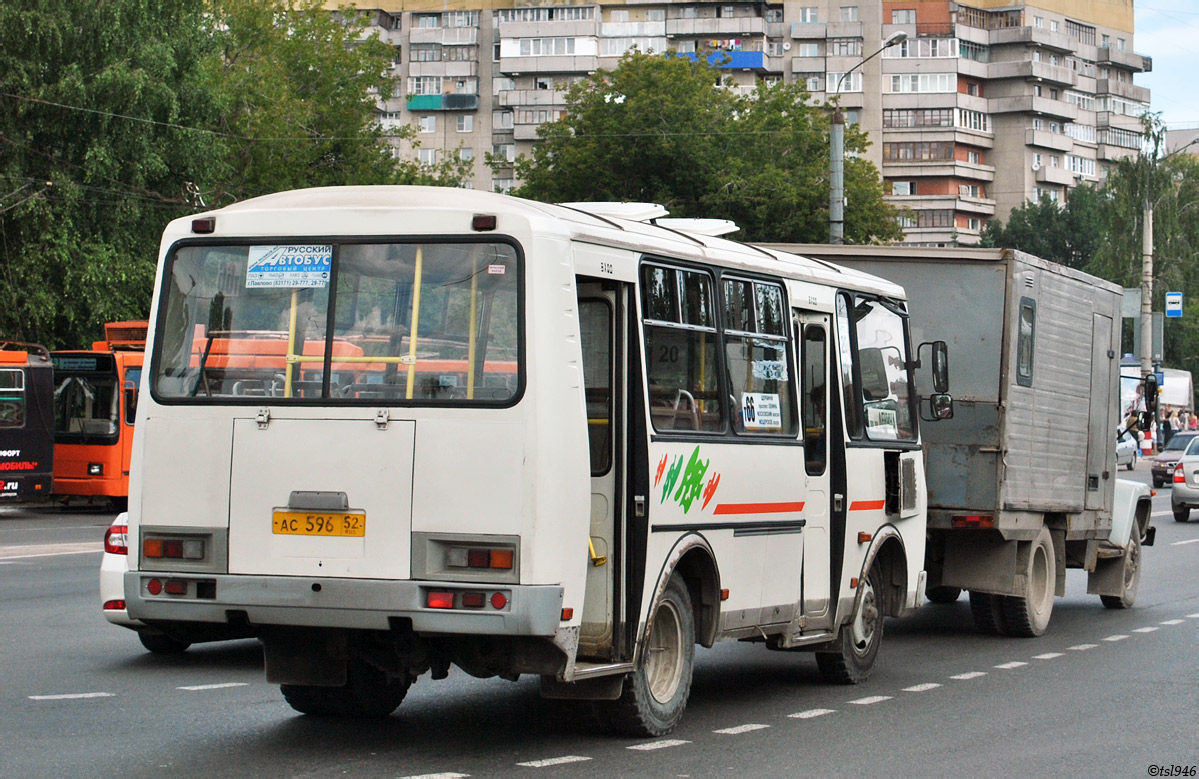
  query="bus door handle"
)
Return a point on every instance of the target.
[
  {"x": 838, "y": 502},
  {"x": 639, "y": 505}
]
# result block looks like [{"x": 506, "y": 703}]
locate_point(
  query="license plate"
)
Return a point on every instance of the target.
[{"x": 319, "y": 523}]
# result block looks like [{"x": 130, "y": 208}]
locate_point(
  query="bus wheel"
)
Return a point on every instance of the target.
[
  {"x": 943, "y": 594},
  {"x": 161, "y": 643},
  {"x": 860, "y": 640},
  {"x": 367, "y": 694},
  {"x": 655, "y": 695},
  {"x": 1028, "y": 615}
]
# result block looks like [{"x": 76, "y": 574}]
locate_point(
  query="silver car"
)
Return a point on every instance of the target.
[
  {"x": 1184, "y": 494},
  {"x": 1127, "y": 449}
]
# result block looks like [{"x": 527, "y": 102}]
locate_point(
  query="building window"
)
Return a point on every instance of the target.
[
  {"x": 466, "y": 154},
  {"x": 466, "y": 123},
  {"x": 1106, "y": 42},
  {"x": 424, "y": 52},
  {"x": 813, "y": 82},
  {"x": 970, "y": 190},
  {"x": 501, "y": 120},
  {"x": 1120, "y": 44},
  {"x": 461, "y": 18},
  {"x": 901, "y": 118},
  {"x": 903, "y": 16},
  {"x": 974, "y": 223},
  {"x": 427, "y": 156},
  {"x": 424, "y": 85},
  {"x": 914, "y": 151},
  {"x": 809, "y": 14},
  {"x": 849, "y": 13},
  {"x": 903, "y": 188},
  {"x": 547, "y": 47},
  {"x": 974, "y": 157},
  {"x": 1053, "y": 25},
  {"x": 923, "y": 83},
  {"x": 842, "y": 82},
  {"x": 845, "y": 47},
  {"x": 974, "y": 120},
  {"x": 978, "y": 52},
  {"x": 1038, "y": 22},
  {"x": 773, "y": 14},
  {"x": 502, "y": 186},
  {"x": 809, "y": 50},
  {"x": 426, "y": 21},
  {"x": 428, "y": 124},
  {"x": 504, "y": 151}
]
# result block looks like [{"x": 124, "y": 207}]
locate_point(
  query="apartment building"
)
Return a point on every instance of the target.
[{"x": 983, "y": 106}]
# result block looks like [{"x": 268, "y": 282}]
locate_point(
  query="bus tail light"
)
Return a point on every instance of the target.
[
  {"x": 461, "y": 557},
  {"x": 116, "y": 541},
  {"x": 114, "y": 605},
  {"x": 440, "y": 600},
  {"x": 95, "y": 469},
  {"x": 466, "y": 599},
  {"x": 174, "y": 548}
]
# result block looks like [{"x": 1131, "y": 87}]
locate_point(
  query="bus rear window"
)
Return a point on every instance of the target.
[{"x": 371, "y": 322}]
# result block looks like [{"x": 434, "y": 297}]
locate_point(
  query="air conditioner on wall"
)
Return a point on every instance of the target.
[
  {"x": 786, "y": 45},
  {"x": 1035, "y": 167}
]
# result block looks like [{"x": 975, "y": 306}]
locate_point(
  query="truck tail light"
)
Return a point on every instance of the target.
[{"x": 973, "y": 521}]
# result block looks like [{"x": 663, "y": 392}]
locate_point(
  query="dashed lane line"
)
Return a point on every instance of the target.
[
  {"x": 969, "y": 675},
  {"x": 1011, "y": 665},
  {"x": 1117, "y": 637},
  {"x": 810, "y": 713},
  {"x": 552, "y": 761},
  {"x": 71, "y": 696},
  {"x": 437, "y": 776},
  {"x": 1188, "y": 541},
  {"x": 739, "y": 729},
  {"x": 1172, "y": 622},
  {"x": 221, "y": 686},
  {"x": 1083, "y": 647},
  {"x": 922, "y": 687},
  {"x": 872, "y": 699},
  {"x": 652, "y": 745},
  {"x": 1047, "y": 656},
  {"x": 1149, "y": 629}
]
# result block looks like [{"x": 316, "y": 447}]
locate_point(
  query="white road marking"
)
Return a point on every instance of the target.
[
  {"x": 555, "y": 761},
  {"x": 71, "y": 696},
  {"x": 969, "y": 675},
  {"x": 437, "y": 776},
  {"x": 1011, "y": 665},
  {"x": 1117, "y": 637},
  {"x": 871, "y": 699},
  {"x": 1083, "y": 647},
  {"x": 810, "y": 713},
  {"x": 652, "y": 745},
  {"x": 1188, "y": 541},
  {"x": 29, "y": 551},
  {"x": 922, "y": 687},
  {"x": 1192, "y": 616},
  {"x": 1147, "y": 630},
  {"x": 740, "y": 729},
  {"x": 1047, "y": 656},
  {"x": 221, "y": 686},
  {"x": 1172, "y": 622}
]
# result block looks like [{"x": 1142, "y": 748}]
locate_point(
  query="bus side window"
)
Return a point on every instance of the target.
[{"x": 815, "y": 421}]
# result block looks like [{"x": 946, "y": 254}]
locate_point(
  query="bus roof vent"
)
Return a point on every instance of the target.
[
  {"x": 636, "y": 212},
  {"x": 126, "y": 335},
  {"x": 712, "y": 227}
]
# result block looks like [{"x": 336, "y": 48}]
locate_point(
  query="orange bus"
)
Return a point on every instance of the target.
[{"x": 95, "y": 397}]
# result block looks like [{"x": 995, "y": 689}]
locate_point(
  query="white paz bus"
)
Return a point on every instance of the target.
[{"x": 391, "y": 429}]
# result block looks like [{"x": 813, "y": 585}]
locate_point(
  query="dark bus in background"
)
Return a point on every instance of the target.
[
  {"x": 26, "y": 421},
  {"x": 95, "y": 397}
]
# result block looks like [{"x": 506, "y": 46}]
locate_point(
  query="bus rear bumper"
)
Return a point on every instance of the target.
[{"x": 364, "y": 604}]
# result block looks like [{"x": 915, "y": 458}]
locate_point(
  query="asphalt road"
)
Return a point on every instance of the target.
[{"x": 1110, "y": 693}]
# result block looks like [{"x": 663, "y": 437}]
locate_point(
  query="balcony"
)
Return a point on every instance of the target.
[
  {"x": 1120, "y": 121},
  {"x": 1030, "y": 104},
  {"x": 1047, "y": 140},
  {"x": 1108, "y": 153},
  {"x": 736, "y": 27},
  {"x": 940, "y": 168},
  {"x": 808, "y": 30},
  {"x": 443, "y": 103},
  {"x": 1037, "y": 70},
  {"x": 843, "y": 30},
  {"x": 446, "y": 69},
  {"x": 1034, "y": 35},
  {"x": 1124, "y": 58},
  {"x": 446, "y": 36},
  {"x": 582, "y": 28},
  {"x": 532, "y": 98},
  {"x": 579, "y": 63},
  {"x": 737, "y": 60},
  {"x": 1110, "y": 86},
  {"x": 632, "y": 30}
]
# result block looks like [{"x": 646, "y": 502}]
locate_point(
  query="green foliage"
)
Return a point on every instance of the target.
[
  {"x": 119, "y": 115},
  {"x": 1071, "y": 235},
  {"x": 659, "y": 129}
]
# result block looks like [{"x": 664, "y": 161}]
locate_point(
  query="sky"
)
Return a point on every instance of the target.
[{"x": 1168, "y": 31}]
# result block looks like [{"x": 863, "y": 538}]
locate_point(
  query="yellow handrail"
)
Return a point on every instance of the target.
[
  {"x": 416, "y": 282},
  {"x": 291, "y": 344}
]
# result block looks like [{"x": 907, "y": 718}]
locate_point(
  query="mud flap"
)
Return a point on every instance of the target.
[
  {"x": 605, "y": 688},
  {"x": 305, "y": 657}
]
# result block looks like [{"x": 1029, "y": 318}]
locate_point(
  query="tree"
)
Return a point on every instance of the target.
[
  {"x": 659, "y": 129},
  {"x": 1071, "y": 234},
  {"x": 117, "y": 116}
]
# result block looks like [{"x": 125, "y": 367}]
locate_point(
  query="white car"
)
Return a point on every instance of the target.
[
  {"x": 1127, "y": 449},
  {"x": 112, "y": 590}
]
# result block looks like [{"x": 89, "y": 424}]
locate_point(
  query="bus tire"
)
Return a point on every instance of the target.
[
  {"x": 655, "y": 695},
  {"x": 987, "y": 612},
  {"x": 943, "y": 594},
  {"x": 367, "y": 694},
  {"x": 1027, "y": 616},
  {"x": 859, "y": 641},
  {"x": 1132, "y": 577},
  {"x": 161, "y": 643}
]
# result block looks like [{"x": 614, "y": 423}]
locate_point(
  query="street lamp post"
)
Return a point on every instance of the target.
[{"x": 836, "y": 198}]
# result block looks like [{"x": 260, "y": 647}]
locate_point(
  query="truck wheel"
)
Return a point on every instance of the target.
[
  {"x": 943, "y": 594},
  {"x": 1132, "y": 577},
  {"x": 987, "y": 612},
  {"x": 367, "y": 694},
  {"x": 161, "y": 643},
  {"x": 1028, "y": 615},
  {"x": 655, "y": 694},
  {"x": 1181, "y": 513},
  {"x": 860, "y": 640}
]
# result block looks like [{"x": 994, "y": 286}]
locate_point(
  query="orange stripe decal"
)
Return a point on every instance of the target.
[
  {"x": 758, "y": 508},
  {"x": 867, "y": 505}
]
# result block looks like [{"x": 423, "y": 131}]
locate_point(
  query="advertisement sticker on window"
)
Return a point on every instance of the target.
[{"x": 289, "y": 266}]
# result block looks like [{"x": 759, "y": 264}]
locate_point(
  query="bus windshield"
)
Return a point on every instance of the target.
[
  {"x": 431, "y": 322},
  {"x": 85, "y": 407}
]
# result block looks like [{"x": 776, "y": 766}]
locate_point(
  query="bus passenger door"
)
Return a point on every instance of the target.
[
  {"x": 813, "y": 338},
  {"x": 598, "y": 330}
]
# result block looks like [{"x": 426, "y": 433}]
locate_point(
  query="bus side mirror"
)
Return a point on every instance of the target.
[
  {"x": 1150, "y": 394},
  {"x": 940, "y": 363},
  {"x": 940, "y": 406},
  {"x": 1145, "y": 421}
]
